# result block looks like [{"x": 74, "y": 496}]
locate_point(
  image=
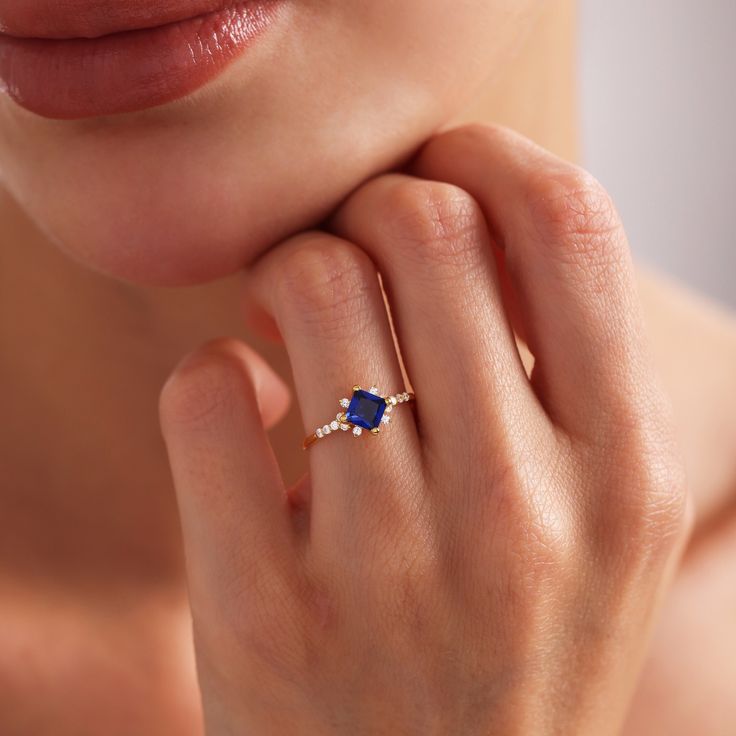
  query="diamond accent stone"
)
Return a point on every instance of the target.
[
  {"x": 326, "y": 429},
  {"x": 319, "y": 432},
  {"x": 344, "y": 427},
  {"x": 357, "y": 431},
  {"x": 334, "y": 426},
  {"x": 373, "y": 390},
  {"x": 385, "y": 419},
  {"x": 344, "y": 403}
]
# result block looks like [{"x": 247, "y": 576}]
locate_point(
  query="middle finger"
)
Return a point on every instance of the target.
[{"x": 432, "y": 245}]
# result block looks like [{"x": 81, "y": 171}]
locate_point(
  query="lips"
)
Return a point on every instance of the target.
[{"x": 80, "y": 58}]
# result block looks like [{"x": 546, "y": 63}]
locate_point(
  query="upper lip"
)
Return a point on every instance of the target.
[{"x": 60, "y": 19}]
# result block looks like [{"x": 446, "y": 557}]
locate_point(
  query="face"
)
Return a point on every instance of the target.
[{"x": 324, "y": 95}]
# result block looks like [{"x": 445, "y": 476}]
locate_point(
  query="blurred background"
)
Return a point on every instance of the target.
[{"x": 658, "y": 93}]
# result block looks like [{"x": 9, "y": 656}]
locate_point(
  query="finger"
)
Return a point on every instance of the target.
[
  {"x": 566, "y": 253},
  {"x": 233, "y": 508},
  {"x": 326, "y": 301},
  {"x": 433, "y": 248}
]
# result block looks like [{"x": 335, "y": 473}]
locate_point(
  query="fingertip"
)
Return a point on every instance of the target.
[
  {"x": 208, "y": 381},
  {"x": 255, "y": 315},
  {"x": 272, "y": 393}
]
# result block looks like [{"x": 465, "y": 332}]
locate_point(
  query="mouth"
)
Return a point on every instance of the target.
[{"x": 61, "y": 61}]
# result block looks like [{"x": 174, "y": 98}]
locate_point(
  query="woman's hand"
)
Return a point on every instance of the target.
[{"x": 491, "y": 563}]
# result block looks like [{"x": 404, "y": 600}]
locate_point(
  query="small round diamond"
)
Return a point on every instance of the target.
[
  {"x": 334, "y": 426},
  {"x": 393, "y": 400},
  {"x": 385, "y": 419},
  {"x": 326, "y": 429},
  {"x": 357, "y": 431},
  {"x": 344, "y": 427},
  {"x": 344, "y": 403},
  {"x": 319, "y": 432},
  {"x": 373, "y": 390}
]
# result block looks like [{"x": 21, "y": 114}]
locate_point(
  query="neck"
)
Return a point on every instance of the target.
[
  {"x": 85, "y": 488},
  {"x": 535, "y": 94}
]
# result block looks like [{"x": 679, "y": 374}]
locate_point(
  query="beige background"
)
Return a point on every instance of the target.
[{"x": 658, "y": 84}]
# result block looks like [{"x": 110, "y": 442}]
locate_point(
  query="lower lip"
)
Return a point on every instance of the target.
[{"x": 128, "y": 71}]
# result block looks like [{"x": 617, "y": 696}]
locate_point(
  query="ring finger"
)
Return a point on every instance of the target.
[{"x": 326, "y": 300}]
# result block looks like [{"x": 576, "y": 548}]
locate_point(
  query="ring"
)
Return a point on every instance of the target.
[{"x": 367, "y": 410}]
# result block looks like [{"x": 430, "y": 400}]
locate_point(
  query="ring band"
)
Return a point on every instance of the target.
[{"x": 366, "y": 410}]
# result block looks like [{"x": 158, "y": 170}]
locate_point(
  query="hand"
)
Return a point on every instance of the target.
[{"x": 490, "y": 564}]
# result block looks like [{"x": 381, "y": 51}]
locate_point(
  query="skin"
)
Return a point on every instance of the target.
[
  {"x": 89, "y": 518},
  {"x": 476, "y": 578},
  {"x": 214, "y": 152}
]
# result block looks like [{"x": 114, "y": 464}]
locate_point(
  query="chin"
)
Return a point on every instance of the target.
[
  {"x": 156, "y": 249},
  {"x": 197, "y": 188},
  {"x": 189, "y": 235},
  {"x": 179, "y": 239},
  {"x": 182, "y": 196},
  {"x": 158, "y": 206}
]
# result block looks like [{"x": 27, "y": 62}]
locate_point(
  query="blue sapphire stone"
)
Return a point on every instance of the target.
[{"x": 366, "y": 410}]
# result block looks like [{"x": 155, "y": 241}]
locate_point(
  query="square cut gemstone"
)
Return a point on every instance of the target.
[{"x": 366, "y": 410}]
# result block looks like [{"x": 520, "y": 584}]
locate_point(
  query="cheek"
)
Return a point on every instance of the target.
[
  {"x": 195, "y": 190},
  {"x": 455, "y": 45}
]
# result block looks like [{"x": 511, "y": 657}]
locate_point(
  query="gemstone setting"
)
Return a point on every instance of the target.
[{"x": 366, "y": 409}]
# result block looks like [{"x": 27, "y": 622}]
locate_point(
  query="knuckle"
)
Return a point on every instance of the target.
[
  {"x": 435, "y": 220},
  {"x": 329, "y": 286},
  {"x": 576, "y": 217},
  {"x": 535, "y": 533},
  {"x": 474, "y": 136},
  {"x": 260, "y": 620},
  {"x": 544, "y": 559},
  {"x": 477, "y": 131},
  {"x": 549, "y": 556},
  {"x": 202, "y": 385},
  {"x": 661, "y": 509},
  {"x": 650, "y": 517},
  {"x": 409, "y": 583}
]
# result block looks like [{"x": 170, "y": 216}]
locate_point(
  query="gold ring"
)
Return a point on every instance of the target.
[{"x": 366, "y": 410}]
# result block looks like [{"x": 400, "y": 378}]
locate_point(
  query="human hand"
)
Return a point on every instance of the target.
[{"x": 491, "y": 564}]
